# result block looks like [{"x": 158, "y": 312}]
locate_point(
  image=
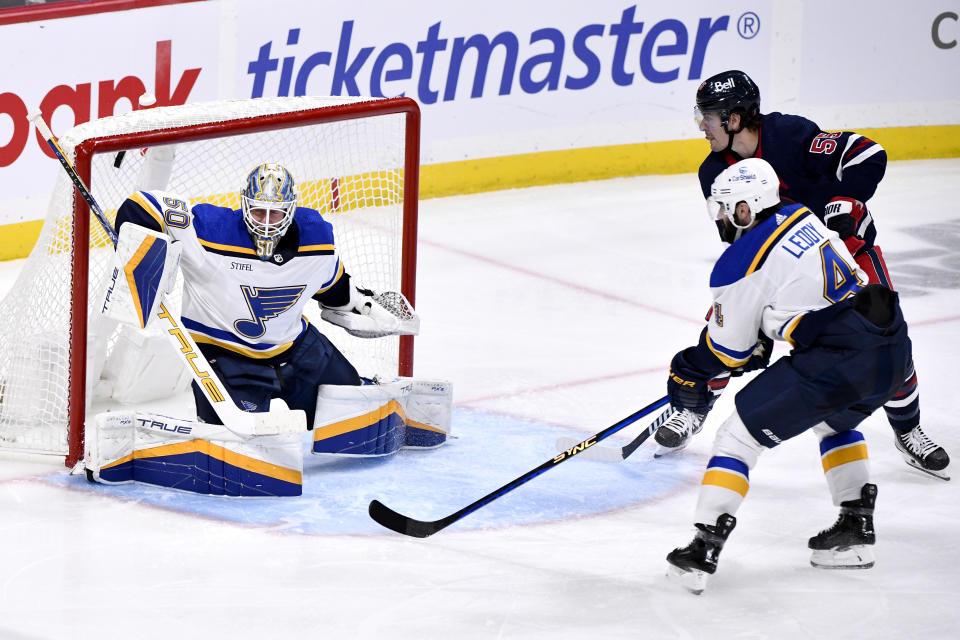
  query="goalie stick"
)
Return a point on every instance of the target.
[
  {"x": 239, "y": 421},
  {"x": 618, "y": 454},
  {"x": 390, "y": 519}
]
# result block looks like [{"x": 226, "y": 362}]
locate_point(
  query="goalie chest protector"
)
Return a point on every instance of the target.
[{"x": 232, "y": 298}]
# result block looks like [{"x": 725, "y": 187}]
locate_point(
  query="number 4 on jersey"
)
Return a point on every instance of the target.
[{"x": 839, "y": 279}]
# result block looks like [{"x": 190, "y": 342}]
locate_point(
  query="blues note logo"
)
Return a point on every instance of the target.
[{"x": 265, "y": 303}]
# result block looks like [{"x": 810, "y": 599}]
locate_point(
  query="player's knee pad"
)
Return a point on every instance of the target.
[
  {"x": 733, "y": 440},
  {"x": 380, "y": 419},
  {"x": 191, "y": 456}
]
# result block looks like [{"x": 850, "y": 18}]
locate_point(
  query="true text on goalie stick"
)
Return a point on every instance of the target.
[
  {"x": 390, "y": 519},
  {"x": 205, "y": 377}
]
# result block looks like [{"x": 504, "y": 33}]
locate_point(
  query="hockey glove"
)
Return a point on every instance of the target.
[
  {"x": 687, "y": 388},
  {"x": 844, "y": 215}
]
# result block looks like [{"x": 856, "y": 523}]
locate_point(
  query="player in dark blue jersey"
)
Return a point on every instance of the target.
[{"x": 833, "y": 174}]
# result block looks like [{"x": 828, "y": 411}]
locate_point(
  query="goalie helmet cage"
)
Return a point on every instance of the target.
[{"x": 356, "y": 160}]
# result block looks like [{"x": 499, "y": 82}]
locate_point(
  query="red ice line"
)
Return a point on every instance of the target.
[{"x": 602, "y": 294}]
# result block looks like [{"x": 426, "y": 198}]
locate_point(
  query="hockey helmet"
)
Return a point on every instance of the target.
[
  {"x": 752, "y": 181},
  {"x": 269, "y": 191},
  {"x": 725, "y": 93}
]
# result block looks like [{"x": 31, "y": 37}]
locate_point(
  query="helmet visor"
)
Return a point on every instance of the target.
[{"x": 714, "y": 209}]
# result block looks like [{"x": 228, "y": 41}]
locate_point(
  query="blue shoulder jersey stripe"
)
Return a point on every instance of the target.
[
  {"x": 793, "y": 221},
  {"x": 748, "y": 254},
  {"x": 316, "y": 234},
  {"x": 150, "y": 206},
  {"x": 221, "y": 229}
]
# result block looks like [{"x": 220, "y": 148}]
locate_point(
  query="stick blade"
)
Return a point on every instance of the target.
[
  {"x": 387, "y": 517},
  {"x": 596, "y": 452}
]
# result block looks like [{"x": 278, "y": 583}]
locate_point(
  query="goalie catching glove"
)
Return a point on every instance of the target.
[{"x": 369, "y": 315}]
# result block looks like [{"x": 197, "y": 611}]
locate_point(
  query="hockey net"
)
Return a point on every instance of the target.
[{"x": 354, "y": 159}]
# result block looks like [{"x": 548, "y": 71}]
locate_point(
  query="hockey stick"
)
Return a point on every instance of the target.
[
  {"x": 390, "y": 519},
  {"x": 618, "y": 454},
  {"x": 242, "y": 422}
]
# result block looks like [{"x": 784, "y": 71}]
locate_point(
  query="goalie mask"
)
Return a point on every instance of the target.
[
  {"x": 268, "y": 201},
  {"x": 753, "y": 182}
]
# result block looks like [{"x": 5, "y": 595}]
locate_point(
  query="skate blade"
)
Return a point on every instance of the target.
[
  {"x": 665, "y": 451},
  {"x": 942, "y": 473},
  {"x": 858, "y": 556},
  {"x": 693, "y": 580}
]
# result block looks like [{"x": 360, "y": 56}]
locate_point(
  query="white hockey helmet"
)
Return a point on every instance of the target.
[
  {"x": 269, "y": 190},
  {"x": 752, "y": 181}
]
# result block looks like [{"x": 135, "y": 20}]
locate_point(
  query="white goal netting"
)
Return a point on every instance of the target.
[{"x": 350, "y": 169}]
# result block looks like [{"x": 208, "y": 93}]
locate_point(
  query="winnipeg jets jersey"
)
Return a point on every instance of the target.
[
  {"x": 814, "y": 166},
  {"x": 231, "y": 298},
  {"x": 785, "y": 266}
]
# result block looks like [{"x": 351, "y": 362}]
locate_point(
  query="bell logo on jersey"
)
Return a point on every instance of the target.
[{"x": 265, "y": 303}]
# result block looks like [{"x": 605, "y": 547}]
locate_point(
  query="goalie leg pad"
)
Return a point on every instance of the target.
[
  {"x": 428, "y": 407},
  {"x": 191, "y": 456},
  {"x": 381, "y": 419}
]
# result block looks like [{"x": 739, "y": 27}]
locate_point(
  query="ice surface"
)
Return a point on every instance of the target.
[{"x": 554, "y": 311}]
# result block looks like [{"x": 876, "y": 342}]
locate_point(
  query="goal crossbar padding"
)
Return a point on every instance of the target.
[
  {"x": 191, "y": 456},
  {"x": 380, "y": 419}
]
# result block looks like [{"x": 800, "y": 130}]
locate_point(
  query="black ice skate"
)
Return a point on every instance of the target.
[
  {"x": 848, "y": 543},
  {"x": 694, "y": 563},
  {"x": 675, "y": 433},
  {"x": 920, "y": 452}
]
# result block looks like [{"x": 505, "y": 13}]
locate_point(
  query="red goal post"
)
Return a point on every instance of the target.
[{"x": 356, "y": 160}]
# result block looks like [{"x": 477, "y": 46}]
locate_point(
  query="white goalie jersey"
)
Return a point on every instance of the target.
[
  {"x": 785, "y": 266},
  {"x": 233, "y": 299}
]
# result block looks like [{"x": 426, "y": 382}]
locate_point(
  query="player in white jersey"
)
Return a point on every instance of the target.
[
  {"x": 787, "y": 275},
  {"x": 248, "y": 275}
]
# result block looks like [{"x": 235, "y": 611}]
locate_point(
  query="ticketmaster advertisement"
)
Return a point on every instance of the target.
[{"x": 493, "y": 80}]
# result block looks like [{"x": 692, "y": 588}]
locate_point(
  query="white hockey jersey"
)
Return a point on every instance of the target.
[
  {"x": 231, "y": 298},
  {"x": 785, "y": 266}
]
